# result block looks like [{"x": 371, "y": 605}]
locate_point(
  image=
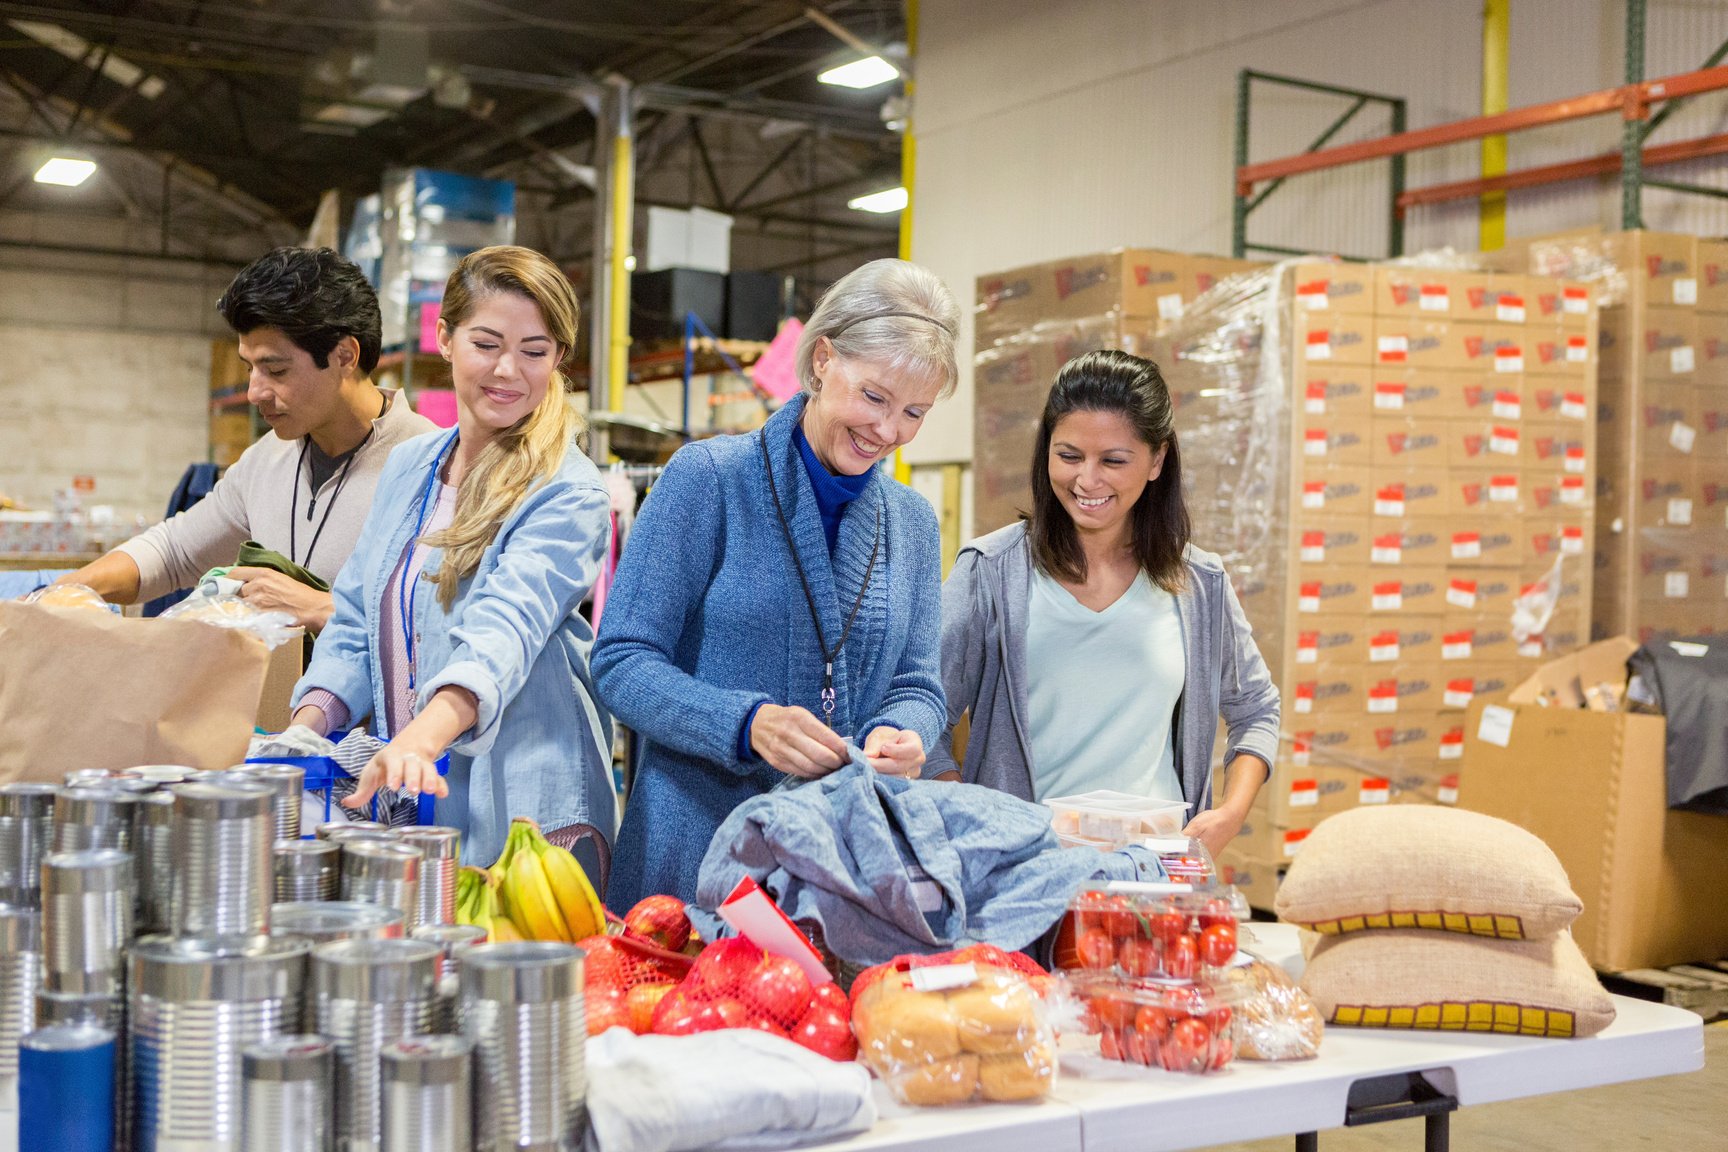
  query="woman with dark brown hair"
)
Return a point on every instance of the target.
[{"x": 1093, "y": 645}]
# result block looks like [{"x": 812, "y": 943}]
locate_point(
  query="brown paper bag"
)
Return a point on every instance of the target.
[{"x": 82, "y": 689}]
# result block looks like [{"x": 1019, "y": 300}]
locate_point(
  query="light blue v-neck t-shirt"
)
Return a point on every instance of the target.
[{"x": 1102, "y": 691}]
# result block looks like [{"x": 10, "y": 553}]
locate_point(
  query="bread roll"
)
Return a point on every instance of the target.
[
  {"x": 951, "y": 1081},
  {"x": 69, "y": 596},
  {"x": 897, "y": 1028},
  {"x": 1027, "y": 1075},
  {"x": 996, "y": 1015}
]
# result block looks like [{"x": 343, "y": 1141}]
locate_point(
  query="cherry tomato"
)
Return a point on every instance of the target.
[
  {"x": 1181, "y": 958},
  {"x": 1217, "y": 911},
  {"x": 1119, "y": 918},
  {"x": 1218, "y": 944},
  {"x": 1140, "y": 1048},
  {"x": 1150, "y": 1021},
  {"x": 1138, "y": 957},
  {"x": 1187, "y": 1048},
  {"x": 1110, "y": 1045},
  {"x": 1096, "y": 949},
  {"x": 1114, "y": 1012},
  {"x": 1223, "y": 1051},
  {"x": 1219, "y": 1021},
  {"x": 1167, "y": 927}
]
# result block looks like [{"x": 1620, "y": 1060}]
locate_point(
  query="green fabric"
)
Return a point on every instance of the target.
[{"x": 255, "y": 555}]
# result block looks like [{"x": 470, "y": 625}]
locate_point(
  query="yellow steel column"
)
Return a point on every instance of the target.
[
  {"x": 908, "y": 154},
  {"x": 623, "y": 225},
  {"x": 1496, "y": 69}
]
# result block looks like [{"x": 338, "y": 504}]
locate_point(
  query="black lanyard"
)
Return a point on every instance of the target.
[
  {"x": 311, "y": 508},
  {"x": 828, "y": 654}
]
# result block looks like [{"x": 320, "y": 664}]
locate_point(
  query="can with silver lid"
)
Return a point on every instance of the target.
[
  {"x": 287, "y": 783},
  {"x": 322, "y": 921},
  {"x": 305, "y": 870},
  {"x": 368, "y": 993},
  {"x": 20, "y": 977},
  {"x": 194, "y": 1007},
  {"x": 522, "y": 1006},
  {"x": 285, "y": 1092},
  {"x": 153, "y": 840},
  {"x": 88, "y": 776},
  {"x": 329, "y": 828},
  {"x": 162, "y": 774},
  {"x": 86, "y": 919},
  {"x": 441, "y": 853},
  {"x": 222, "y": 875},
  {"x": 363, "y": 836},
  {"x": 97, "y": 815},
  {"x": 387, "y": 874},
  {"x": 107, "y": 1009},
  {"x": 428, "y": 1094},
  {"x": 452, "y": 940},
  {"x": 26, "y": 835}
]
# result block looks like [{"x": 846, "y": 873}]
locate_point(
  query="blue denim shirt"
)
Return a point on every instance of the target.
[{"x": 541, "y": 745}]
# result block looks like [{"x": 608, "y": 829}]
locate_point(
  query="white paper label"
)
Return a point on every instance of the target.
[
  {"x": 1383, "y": 653},
  {"x": 1293, "y": 843},
  {"x": 1467, "y": 548},
  {"x": 1504, "y": 441},
  {"x": 1531, "y": 648},
  {"x": 1453, "y": 750},
  {"x": 1315, "y": 301},
  {"x": 1313, "y": 553},
  {"x": 1459, "y": 650},
  {"x": 1571, "y": 543},
  {"x": 1304, "y": 704},
  {"x": 1680, "y": 359},
  {"x": 1496, "y": 726},
  {"x": 1393, "y": 347},
  {"x": 1300, "y": 754},
  {"x": 1571, "y": 493},
  {"x": 1387, "y": 554},
  {"x": 1574, "y": 461},
  {"x": 1679, "y": 511},
  {"x": 1572, "y": 407},
  {"x": 1577, "y": 351},
  {"x": 1314, "y": 497},
  {"x": 1434, "y": 298},
  {"x": 1675, "y": 585},
  {"x": 941, "y": 977},
  {"x": 1319, "y": 350},
  {"x": 1503, "y": 493},
  {"x": 1460, "y": 597},
  {"x": 1382, "y": 704},
  {"x": 1389, "y": 399},
  {"x": 1507, "y": 407},
  {"x": 1315, "y": 445},
  {"x": 1686, "y": 291},
  {"x": 1385, "y": 507},
  {"x": 1301, "y": 797},
  {"x": 1682, "y": 436},
  {"x": 1447, "y": 794},
  {"x": 1315, "y": 405},
  {"x": 1509, "y": 360},
  {"x": 1457, "y": 698},
  {"x": 1375, "y": 792},
  {"x": 1307, "y": 655},
  {"x": 1388, "y": 601},
  {"x": 1308, "y": 604},
  {"x": 1575, "y": 303},
  {"x": 1170, "y": 306},
  {"x": 1509, "y": 313},
  {"x": 1689, "y": 648}
]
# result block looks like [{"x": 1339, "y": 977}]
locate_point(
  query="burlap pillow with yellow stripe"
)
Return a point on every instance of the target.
[
  {"x": 1419, "y": 866},
  {"x": 1450, "y": 983}
]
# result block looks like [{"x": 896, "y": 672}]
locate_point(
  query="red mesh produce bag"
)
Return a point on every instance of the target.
[
  {"x": 735, "y": 984},
  {"x": 616, "y": 968},
  {"x": 985, "y": 954}
]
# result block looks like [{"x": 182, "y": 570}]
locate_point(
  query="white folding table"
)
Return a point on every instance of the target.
[{"x": 1105, "y": 1106}]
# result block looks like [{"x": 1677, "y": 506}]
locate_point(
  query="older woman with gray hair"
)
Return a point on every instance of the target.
[{"x": 780, "y": 598}]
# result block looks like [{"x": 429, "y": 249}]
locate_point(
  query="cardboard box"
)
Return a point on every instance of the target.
[
  {"x": 1593, "y": 786},
  {"x": 1489, "y": 297},
  {"x": 1667, "y": 494},
  {"x": 287, "y": 662},
  {"x": 1494, "y": 445},
  {"x": 1557, "y": 401},
  {"x": 1493, "y": 492},
  {"x": 1654, "y": 344},
  {"x": 1482, "y": 594},
  {"x": 1409, "y": 442},
  {"x": 1337, "y": 491},
  {"x": 1564, "y": 446},
  {"x": 1410, "y": 342},
  {"x": 1548, "y": 535},
  {"x": 1478, "y": 542},
  {"x": 1333, "y": 288},
  {"x": 1663, "y": 570},
  {"x": 1331, "y": 337},
  {"x": 1408, "y": 639},
  {"x": 1562, "y": 302},
  {"x": 1402, "y": 689},
  {"x": 1327, "y": 389},
  {"x": 1710, "y": 493},
  {"x": 1676, "y": 620},
  {"x": 1712, "y": 441},
  {"x": 1468, "y": 639},
  {"x": 1712, "y": 366},
  {"x": 1324, "y": 691},
  {"x": 1550, "y": 489},
  {"x": 1462, "y": 685},
  {"x": 1667, "y": 421},
  {"x": 1426, "y": 393},
  {"x": 1400, "y": 543},
  {"x": 1712, "y": 269},
  {"x": 1263, "y": 837},
  {"x": 1355, "y": 592},
  {"x": 1331, "y": 540},
  {"x": 1560, "y": 350},
  {"x": 1332, "y": 643},
  {"x": 1256, "y": 879},
  {"x": 1416, "y": 492},
  {"x": 1336, "y": 441}
]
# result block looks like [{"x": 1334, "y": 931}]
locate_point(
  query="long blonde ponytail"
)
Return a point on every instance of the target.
[{"x": 524, "y": 456}]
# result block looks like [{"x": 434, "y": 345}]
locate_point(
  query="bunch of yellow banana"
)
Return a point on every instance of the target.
[
  {"x": 477, "y": 903},
  {"x": 541, "y": 888}
]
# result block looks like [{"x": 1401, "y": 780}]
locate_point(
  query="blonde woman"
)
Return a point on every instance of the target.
[{"x": 455, "y": 626}]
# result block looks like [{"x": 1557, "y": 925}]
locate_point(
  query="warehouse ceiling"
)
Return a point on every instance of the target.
[{"x": 234, "y": 117}]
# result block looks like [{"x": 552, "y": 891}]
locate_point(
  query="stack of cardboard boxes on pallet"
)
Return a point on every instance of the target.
[
  {"x": 1441, "y": 464},
  {"x": 1030, "y": 321},
  {"x": 1662, "y": 492}
]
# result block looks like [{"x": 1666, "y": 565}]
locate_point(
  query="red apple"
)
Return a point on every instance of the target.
[
  {"x": 659, "y": 920},
  {"x": 827, "y": 1033}
]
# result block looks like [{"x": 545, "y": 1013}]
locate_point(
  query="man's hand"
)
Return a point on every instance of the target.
[
  {"x": 793, "y": 741},
  {"x": 1215, "y": 828},
  {"x": 271, "y": 591},
  {"x": 895, "y": 751}
]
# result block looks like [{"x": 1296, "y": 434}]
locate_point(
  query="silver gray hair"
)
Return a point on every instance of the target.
[{"x": 891, "y": 313}]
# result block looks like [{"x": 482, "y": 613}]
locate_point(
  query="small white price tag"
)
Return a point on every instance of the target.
[
  {"x": 1572, "y": 406},
  {"x": 1496, "y": 726},
  {"x": 1509, "y": 359},
  {"x": 1388, "y": 505},
  {"x": 1434, "y": 298},
  {"x": 1304, "y": 698},
  {"x": 941, "y": 977},
  {"x": 1170, "y": 306},
  {"x": 1459, "y": 693},
  {"x": 1675, "y": 585},
  {"x": 1575, "y": 459},
  {"x": 1307, "y": 655},
  {"x": 1461, "y": 593},
  {"x": 1531, "y": 648},
  {"x": 1319, "y": 346},
  {"x": 1447, "y": 793},
  {"x": 1457, "y": 647},
  {"x": 1293, "y": 840},
  {"x": 1466, "y": 546},
  {"x": 1388, "y": 552},
  {"x": 1577, "y": 349},
  {"x": 1510, "y": 310},
  {"x": 1507, "y": 406},
  {"x": 1391, "y": 600},
  {"x": 1314, "y": 495},
  {"x": 1686, "y": 291},
  {"x": 1572, "y": 542},
  {"x": 1679, "y": 511},
  {"x": 1383, "y": 651},
  {"x": 1313, "y": 295},
  {"x": 1313, "y": 547},
  {"x": 1576, "y": 301},
  {"x": 1680, "y": 359},
  {"x": 1572, "y": 490},
  {"x": 1304, "y": 793},
  {"x": 1314, "y": 442},
  {"x": 1452, "y": 744},
  {"x": 1503, "y": 490},
  {"x": 1504, "y": 441},
  {"x": 1308, "y": 601},
  {"x": 1393, "y": 349},
  {"x": 1681, "y": 436},
  {"x": 1389, "y": 397},
  {"x": 1382, "y": 704}
]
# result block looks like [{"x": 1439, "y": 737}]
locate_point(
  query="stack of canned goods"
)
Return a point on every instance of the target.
[{"x": 173, "y": 928}]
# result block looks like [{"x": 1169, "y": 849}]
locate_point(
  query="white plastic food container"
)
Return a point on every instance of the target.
[{"x": 1112, "y": 820}]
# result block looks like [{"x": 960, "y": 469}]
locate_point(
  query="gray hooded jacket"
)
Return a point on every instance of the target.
[{"x": 984, "y": 612}]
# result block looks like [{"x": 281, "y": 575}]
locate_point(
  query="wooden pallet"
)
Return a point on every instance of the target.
[{"x": 1700, "y": 988}]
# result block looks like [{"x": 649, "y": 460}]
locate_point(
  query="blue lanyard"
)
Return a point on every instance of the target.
[{"x": 408, "y": 590}]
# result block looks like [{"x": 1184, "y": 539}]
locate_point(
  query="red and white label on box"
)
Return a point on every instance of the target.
[
  {"x": 1572, "y": 540},
  {"x": 1308, "y": 648},
  {"x": 1302, "y": 749},
  {"x": 1458, "y": 694},
  {"x": 1452, "y": 742},
  {"x": 1393, "y": 349},
  {"x": 1457, "y": 645},
  {"x": 1466, "y": 545},
  {"x": 1503, "y": 440},
  {"x": 1508, "y": 405},
  {"x": 1314, "y": 402},
  {"x": 1304, "y": 793},
  {"x": 1389, "y": 501},
  {"x": 1314, "y": 442},
  {"x": 1461, "y": 593},
  {"x": 1389, "y": 396},
  {"x": 1509, "y": 310},
  {"x": 1509, "y": 358},
  {"x": 1305, "y": 698},
  {"x": 1575, "y": 462},
  {"x": 1434, "y": 298},
  {"x": 1503, "y": 489},
  {"x": 1447, "y": 793},
  {"x": 1375, "y": 790},
  {"x": 1575, "y": 301},
  {"x": 1308, "y": 597},
  {"x": 1314, "y": 494},
  {"x": 1383, "y": 697},
  {"x": 1293, "y": 841},
  {"x": 1388, "y": 549},
  {"x": 1577, "y": 349},
  {"x": 1532, "y": 649},
  {"x": 1313, "y": 547},
  {"x": 1383, "y": 648},
  {"x": 1320, "y": 344},
  {"x": 1388, "y": 596},
  {"x": 1572, "y": 490},
  {"x": 1313, "y": 295},
  {"x": 1681, "y": 436},
  {"x": 1572, "y": 406}
]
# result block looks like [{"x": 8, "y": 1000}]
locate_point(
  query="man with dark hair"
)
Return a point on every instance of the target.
[{"x": 310, "y": 332}]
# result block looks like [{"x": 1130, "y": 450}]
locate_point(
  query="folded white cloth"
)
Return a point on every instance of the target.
[{"x": 735, "y": 1089}]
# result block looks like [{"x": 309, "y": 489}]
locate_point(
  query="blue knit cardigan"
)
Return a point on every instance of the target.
[{"x": 707, "y": 619}]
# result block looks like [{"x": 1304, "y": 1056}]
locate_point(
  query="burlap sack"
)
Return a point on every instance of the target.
[
  {"x": 1419, "y": 866},
  {"x": 1451, "y": 983}
]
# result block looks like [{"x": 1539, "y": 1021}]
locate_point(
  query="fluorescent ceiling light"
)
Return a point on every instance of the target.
[
  {"x": 865, "y": 73},
  {"x": 65, "y": 171},
  {"x": 888, "y": 200},
  {"x": 74, "y": 47}
]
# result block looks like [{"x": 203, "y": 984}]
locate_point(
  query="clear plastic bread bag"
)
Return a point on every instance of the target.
[
  {"x": 227, "y": 610},
  {"x": 1275, "y": 1019}
]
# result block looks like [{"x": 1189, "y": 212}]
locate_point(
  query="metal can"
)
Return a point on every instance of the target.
[
  {"x": 162, "y": 774},
  {"x": 329, "y": 828},
  {"x": 93, "y": 816},
  {"x": 322, "y": 921},
  {"x": 428, "y": 1094},
  {"x": 20, "y": 977},
  {"x": 285, "y": 1092},
  {"x": 441, "y": 852},
  {"x": 364, "y": 836},
  {"x": 66, "y": 1088},
  {"x": 287, "y": 782},
  {"x": 107, "y": 1009},
  {"x": 452, "y": 940},
  {"x": 222, "y": 875},
  {"x": 194, "y": 1007},
  {"x": 86, "y": 919},
  {"x": 88, "y": 776},
  {"x": 26, "y": 834},
  {"x": 305, "y": 870},
  {"x": 522, "y": 1006},
  {"x": 368, "y": 993},
  {"x": 387, "y": 874},
  {"x": 153, "y": 838}
]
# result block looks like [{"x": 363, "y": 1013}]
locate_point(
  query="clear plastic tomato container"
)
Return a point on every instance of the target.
[
  {"x": 1184, "y": 1026},
  {"x": 1152, "y": 931},
  {"x": 1112, "y": 820}
]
